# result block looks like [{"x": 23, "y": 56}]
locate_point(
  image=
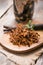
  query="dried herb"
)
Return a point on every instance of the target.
[
  {"x": 23, "y": 35},
  {"x": 29, "y": 25}
]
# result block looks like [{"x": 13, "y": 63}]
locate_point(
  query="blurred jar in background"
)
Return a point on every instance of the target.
[{"x": 23, "y": 10}]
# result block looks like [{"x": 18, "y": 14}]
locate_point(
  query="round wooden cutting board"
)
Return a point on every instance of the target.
[{"x": 4, "y": 40}]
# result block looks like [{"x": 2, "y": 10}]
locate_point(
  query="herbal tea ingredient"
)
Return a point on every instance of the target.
[{"x": 22, "y": 35}]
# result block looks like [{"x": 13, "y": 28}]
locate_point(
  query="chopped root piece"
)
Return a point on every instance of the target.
[{"x": 22, "y": 35}]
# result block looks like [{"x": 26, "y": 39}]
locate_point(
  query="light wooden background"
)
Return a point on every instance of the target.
[{"x": 6, "y": 8}]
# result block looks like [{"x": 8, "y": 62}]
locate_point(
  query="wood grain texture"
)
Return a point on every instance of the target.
[
  {"x": 40, "y": 60},
  {"x": 4, "y": 6},
  {"x": 5, "y": 61}
]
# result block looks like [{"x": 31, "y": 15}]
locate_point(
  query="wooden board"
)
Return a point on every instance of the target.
[{"x": 4, "y": 39}]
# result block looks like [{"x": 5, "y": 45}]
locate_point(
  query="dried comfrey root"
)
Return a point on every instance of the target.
[{"x": 22, "y": 35}]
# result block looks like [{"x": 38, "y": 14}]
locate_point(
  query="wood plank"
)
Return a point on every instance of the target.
[
  {"x": 4, "y": 6},
  {"x": 40, "y": 60}
]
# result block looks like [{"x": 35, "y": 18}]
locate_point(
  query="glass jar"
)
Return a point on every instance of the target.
[{"x": 23, "y": 10}]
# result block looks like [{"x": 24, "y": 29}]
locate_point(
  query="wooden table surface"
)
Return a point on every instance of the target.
[{"x": 9, "y": 18}]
